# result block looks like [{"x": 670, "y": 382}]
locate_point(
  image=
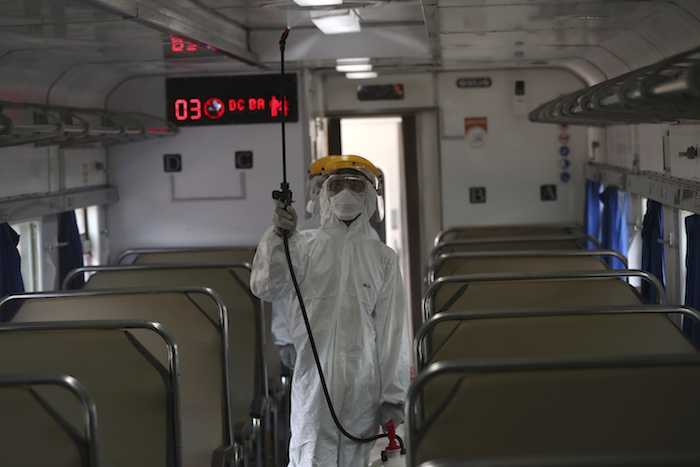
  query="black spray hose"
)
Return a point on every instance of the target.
[{"x": 285, "y": 195}]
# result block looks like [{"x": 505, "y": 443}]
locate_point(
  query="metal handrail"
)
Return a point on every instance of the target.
[
  {"x": 539, "y": 276},
  {"x": 419, "y": 341},
  {"x": 60, "y": 125},
  {"x": 87, "y": 404},
  {"x": 464, "y": 255},
  {"x": 666, "y": 91}
]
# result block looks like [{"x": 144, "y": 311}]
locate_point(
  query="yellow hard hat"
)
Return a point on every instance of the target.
[
  {"x": 351, "y": 162},
  {"x": 317, "y": 167}
]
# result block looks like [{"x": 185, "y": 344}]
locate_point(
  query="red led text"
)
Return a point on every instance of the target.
[
  {"x": 179, "y": 45},
  {"x": 214, "y": 108}
]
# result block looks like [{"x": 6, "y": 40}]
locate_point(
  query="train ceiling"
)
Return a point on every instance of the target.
[{"x": 61, "y": 45}]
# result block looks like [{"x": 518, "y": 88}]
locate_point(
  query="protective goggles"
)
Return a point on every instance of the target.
[{"x": 337, "y": 183}]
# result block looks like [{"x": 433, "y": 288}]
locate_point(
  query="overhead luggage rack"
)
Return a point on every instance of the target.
[
  {"x": 667, "y": 91},
  {"x": 44, "y": 125}
]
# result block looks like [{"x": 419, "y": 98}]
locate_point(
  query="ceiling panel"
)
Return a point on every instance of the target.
[{"x": 46, "y": 45}]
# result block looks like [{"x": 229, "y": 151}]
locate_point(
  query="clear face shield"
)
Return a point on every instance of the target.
[
  {"x": 378, "y": 215},
  {"x": 314, "y": 189}
]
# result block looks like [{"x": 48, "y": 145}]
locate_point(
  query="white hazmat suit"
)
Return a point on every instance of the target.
[
  {"x": 353, "y": 292},
  {"x": 280, "y": 309}
]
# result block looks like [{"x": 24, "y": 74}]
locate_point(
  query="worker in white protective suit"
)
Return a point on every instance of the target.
[
  {"x": 353, "y": 293},
  {"x": 280, "y": 308}
]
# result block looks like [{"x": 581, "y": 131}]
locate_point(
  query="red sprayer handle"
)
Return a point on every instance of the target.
[{"x": 391, "y": 433}]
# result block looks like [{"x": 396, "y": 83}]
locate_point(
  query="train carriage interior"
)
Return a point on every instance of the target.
[{"x": 541, "y": 189}]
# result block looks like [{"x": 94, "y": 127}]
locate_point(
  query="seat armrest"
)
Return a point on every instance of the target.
[
  {"x": 222, "y": 456},
  {"x": 260, "y": 406}
]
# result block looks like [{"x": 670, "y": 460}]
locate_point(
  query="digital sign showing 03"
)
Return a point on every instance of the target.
[{"x": 224, "y": 100}]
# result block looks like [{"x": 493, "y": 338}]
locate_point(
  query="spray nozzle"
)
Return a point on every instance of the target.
[{"x": 283, "y": 39}]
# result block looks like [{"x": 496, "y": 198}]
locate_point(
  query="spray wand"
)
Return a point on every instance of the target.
[{"x": 285, "y": 195}]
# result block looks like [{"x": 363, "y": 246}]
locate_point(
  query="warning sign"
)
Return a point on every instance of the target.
[{"x": 475, "y": 130}]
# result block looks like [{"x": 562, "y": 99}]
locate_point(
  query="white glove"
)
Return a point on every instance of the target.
[
  {"x": 285, "y": 218},
  {"x": 391, "y": 412},
  {"x": 288, "y": 355}
]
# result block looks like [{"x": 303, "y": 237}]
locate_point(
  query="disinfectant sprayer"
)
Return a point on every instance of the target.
[
  {"x": 392, "y": 456},
  {"x": 285, "y": 195}
]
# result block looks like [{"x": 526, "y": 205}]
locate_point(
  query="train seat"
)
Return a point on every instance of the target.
[
  {"x": 34, "y": 431},
  {"x": 201, "y": 343},
  {"x": 248, "y": 387},
  {"x": 638, "y": 410},
  {"x": 540, "y": 289},
  {"x": 186, "y": 255},
  {"x": 543, "y": 242},
  {"x": 498, "y": 231},
  {"x": 453, "y": 264},
  {"x": 278, "y": 383},
  {"x": 136, "y": 397},
  {"x": 553, "y": 332}
]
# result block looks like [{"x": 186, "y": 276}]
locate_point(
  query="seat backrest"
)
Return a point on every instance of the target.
[
  {"x": 596, "y": 409},
  {"x": 499, "y": 245},
  {"x": 201, "y": 256},
  {"x": 534, "y": 294},
  {"x": 186, "y": 255},
  {"x": 211, "y": 255},
  {"x": 201, "y": 344},
  {"x": 246, "y": 355},
  {"x": 135, "y": 396},
  {"x": 462, "y": 233},
  {"x": 520, "y": 290},
  {"x": 452, "y": 266},
  {"x": 34, "y": 431},
  {"x": 583, "y": 332}
]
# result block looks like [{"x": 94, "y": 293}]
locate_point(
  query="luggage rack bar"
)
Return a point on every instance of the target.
[
  {"x": 43, "y": 125},
  {"x": 667, "y": 91}
]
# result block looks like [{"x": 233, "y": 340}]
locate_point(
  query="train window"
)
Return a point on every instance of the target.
[
  {"x": 82, "y": 222},
  {"x": 683, "y": 251},
  {"x": 29, "y": 250},
  {"x": 87, "y": 221},
  {"x": 638, "y": 208}
]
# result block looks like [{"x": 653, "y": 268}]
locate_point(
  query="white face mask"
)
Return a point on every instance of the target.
[{"x": 347, "y": 205}]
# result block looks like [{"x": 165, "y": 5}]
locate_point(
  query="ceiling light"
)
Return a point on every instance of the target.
[
  {"x": 361, "y": 75},
  {"x": 318, "y": 2},
  {"x": 336, "y": 23},
  {"x": 591, "y": 17},
  {"x": 354, "y": 68},
  {"x": 352, "y": 64},
  {"x": 352, "y": 61}
]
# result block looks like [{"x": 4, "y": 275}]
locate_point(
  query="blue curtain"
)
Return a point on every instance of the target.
[
  {"x": 592, "y": 211},
  {"x": 614, "y": 224},
  {"x": 652, "y": 250},
  {"x": 10, "y": 272},
  {"x": 70, "y": 255},
  {"x": 692, "y": 279}
]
